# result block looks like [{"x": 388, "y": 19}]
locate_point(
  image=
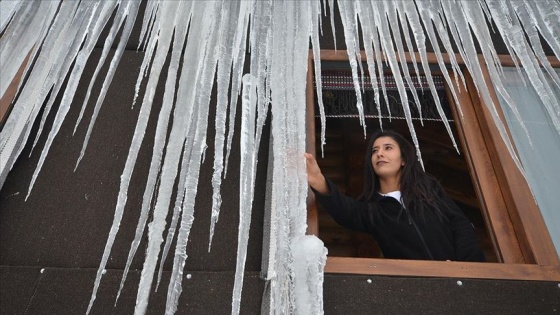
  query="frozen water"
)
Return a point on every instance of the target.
[{"x": 208, "y": 42}]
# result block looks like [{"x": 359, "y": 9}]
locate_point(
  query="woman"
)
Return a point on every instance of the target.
[{"x": 404, "y": 208}]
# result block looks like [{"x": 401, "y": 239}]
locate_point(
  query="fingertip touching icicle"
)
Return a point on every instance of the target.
[{"x": 199, "y": 44}]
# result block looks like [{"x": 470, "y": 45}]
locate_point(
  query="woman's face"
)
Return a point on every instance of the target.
[{"x": 386, "y": 158}]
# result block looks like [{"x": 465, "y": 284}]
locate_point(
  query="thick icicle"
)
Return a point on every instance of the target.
[
  {"x": 249, "y": 103},
  {"x": 239, "y": 44},
  {"x": 197, "y": 136},
  {"x": 232, "y": 11},
  {"x": 180, "y": 26},
  {"x": 310, "y": 256},
  {"x": 204, "y": 74}
]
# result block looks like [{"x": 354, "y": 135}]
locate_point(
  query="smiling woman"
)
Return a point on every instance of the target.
[{"x": 405, "y": 209}]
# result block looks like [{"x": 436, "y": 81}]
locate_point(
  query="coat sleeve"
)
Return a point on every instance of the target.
[
  {"x": 467, "y": 246},
  {"x": 346, "y": 211}
]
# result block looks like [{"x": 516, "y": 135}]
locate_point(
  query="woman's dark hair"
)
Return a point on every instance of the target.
[{"x": 418, "y": 189}]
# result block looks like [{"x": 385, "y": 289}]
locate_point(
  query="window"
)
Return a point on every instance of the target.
[
  {"x": 540, "y": 157},
  {"x": 514, "y": 226}
]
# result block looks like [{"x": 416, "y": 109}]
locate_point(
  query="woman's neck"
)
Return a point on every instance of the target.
[{"x": 387, "y": 185}]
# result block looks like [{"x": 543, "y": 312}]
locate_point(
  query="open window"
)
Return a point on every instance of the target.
[{"x": 483, "y": 180}]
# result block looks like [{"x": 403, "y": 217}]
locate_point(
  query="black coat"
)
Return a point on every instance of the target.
[{"x": 403, "y": 233}]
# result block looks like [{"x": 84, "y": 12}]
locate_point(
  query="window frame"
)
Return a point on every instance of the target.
[{"x": 515, "y": 224}]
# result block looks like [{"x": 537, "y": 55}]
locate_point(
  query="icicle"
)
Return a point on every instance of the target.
[
  {"x": 119, "y": 18},
  {"x": 224, "y": 74},
  {"x": 391, "y": 15},
  {"x": 34, "y": 20},
  {"x": 331, "y": 7},
  {"x": 137, "y": 140},
  {"x": 514, "y": 34},
  {"x": 405, "y": 26},
  {"x": 249, "y": 103},
  {"x": 19, "y": 38},
  {"x": 547, "y": 22},
  {"x": 197, "y": 136},
  {"x": 316, "y": 16},
  {"x": 81, "y": 59},
  {"x": 387, "y": 44},
  {"x": 368, "y": 38},
  {"x": 180, "y": 25},
  {"x": 51, "y": 33},
  {"x": 239, "y": 44},
  {"x": 76, "y": 30},
  {"x": 427, "y": 19},
  {"x": 150, "y": 16},
  {"x": 456, "y": 18},
  {"x": 7, "y": 10},
  {"x": 177, "y": 210},
  {"x": 347, "y": 13},
  {"x": 420, "y": 39},
  {"x": 530, "y": 22},
  {"x": 43, "y": 78},
  {"x": 129, "y": 12},
  {"x": 310, "y": 257}
]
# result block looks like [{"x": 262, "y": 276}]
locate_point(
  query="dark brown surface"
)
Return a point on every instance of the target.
[
  {"x": 345, "y": 294},
  {"x": 64, "y": 224},
  {"x": 68, "y": 290}
]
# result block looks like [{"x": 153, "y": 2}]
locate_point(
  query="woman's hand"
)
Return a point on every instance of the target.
[{"x": 315, "y": 177}]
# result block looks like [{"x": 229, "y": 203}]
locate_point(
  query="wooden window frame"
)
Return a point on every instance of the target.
[{"x": 515, "y": 224}]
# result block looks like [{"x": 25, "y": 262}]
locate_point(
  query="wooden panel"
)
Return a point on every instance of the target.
[
  {"x": 10, "y": 93},
  {"x": 505, "y": 60},
  {"x": 526, "y": 216},
  {"x": 485, "y": 180},
  {"x": 312, "y": 216},
  {"x": 422, "y": 268}
]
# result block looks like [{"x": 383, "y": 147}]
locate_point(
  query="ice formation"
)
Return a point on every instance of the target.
[{"x": 60, "y": 36}]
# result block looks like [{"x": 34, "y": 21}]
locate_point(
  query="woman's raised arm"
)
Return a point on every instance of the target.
[{"x": 315, "y": 177}]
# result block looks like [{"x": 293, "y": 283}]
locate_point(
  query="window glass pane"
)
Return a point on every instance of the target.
[{"x": 541, "y": 160}]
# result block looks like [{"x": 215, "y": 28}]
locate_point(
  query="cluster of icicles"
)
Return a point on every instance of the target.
[{"x": 61, "y": 35}]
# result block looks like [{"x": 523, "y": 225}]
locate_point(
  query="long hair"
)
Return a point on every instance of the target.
[{"x": 419, "y": 190}]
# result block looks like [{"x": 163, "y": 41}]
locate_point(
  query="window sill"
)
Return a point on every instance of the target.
[{"x": 452, "y": 269}]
